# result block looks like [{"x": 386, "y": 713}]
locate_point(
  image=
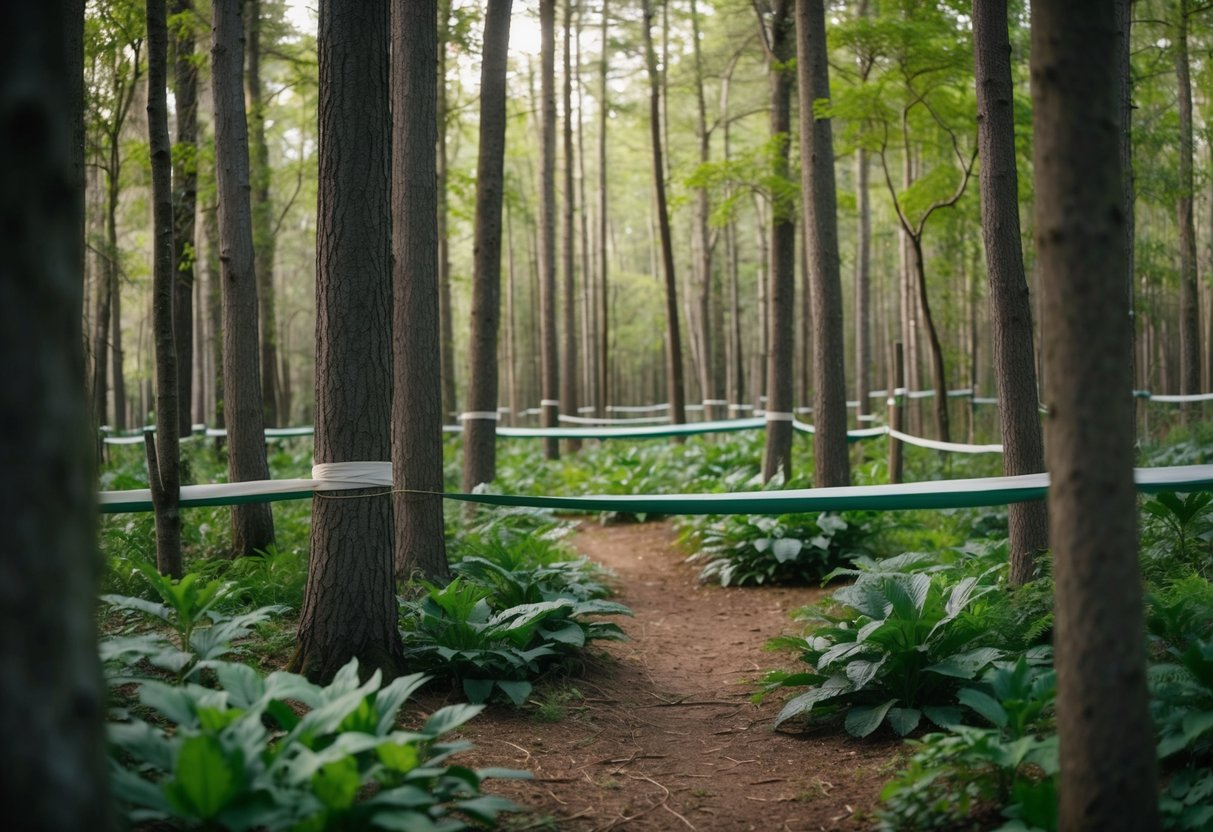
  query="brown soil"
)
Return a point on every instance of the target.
[{"x": 659, "y": 732}]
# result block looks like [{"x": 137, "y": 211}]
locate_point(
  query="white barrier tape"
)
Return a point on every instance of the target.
[
  {"x": 635, "y": 420},
  {"x": 714, "y": 402},
  {"x": 891, "y": 402},
  {"x": 587, "y": 409},
  {"x": 772, "y": 416},
  {"x": 935, "y": 444},
  {"x": 1170, "y": 399},
  {"x": 693, "y": 408},
  {"x": 330, "y": 476},
  {"x": 549, "y": 403},
  {"x": 479, "y": 416},
  {"x": 636, "y": 408}
]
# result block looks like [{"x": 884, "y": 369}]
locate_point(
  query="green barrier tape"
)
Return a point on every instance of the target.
[{"x": 938, "y": 494}]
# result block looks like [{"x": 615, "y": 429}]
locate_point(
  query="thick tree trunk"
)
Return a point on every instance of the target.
[
  {"x": 568, "y": 354},
  {"x": 1108, "y": 768},
  {"x": 674, "y": 378},
  {"x": 185, "y": 199},
  {"x": 1010, "y": 306},
  {"x": 52, "y": 701},
  {"x": 1124, "y": 85},
  {"x": 252, "y": 525},
  {"x": 263, "y": 215},
  {"x": 450, "y": 399},
  {"x": 417, "y": 385},
  {"x": 164, "y": 455},
  {"x": 349, "y": 609},
  {"x": 782, "y": 295},
  {"x": 831, "y": 459},
  {"x": 1189, "y": 309},
  {"x": 480, "y": 423}
]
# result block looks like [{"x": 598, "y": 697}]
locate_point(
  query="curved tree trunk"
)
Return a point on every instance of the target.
[
  {"x": 479, "y": 428},
  {"x": 782, "y": 294},
  {"x": 252, "y": 525},
  {"x": 831, "y": 458},
  {"x": 1010, "y": 306},
  {"x": 185, "y": 200},
  {"x": 1108, "y": 767},
  {"x": 163, "y": 450},
  {"x": 674, "y": 379},
  {"x": 52, "y": 700},
  {"x": 349, "y": 609},
  {"x": 417, "y": 384}
]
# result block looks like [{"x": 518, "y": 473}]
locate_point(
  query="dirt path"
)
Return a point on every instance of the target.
[{"x": 663, "y": 735}]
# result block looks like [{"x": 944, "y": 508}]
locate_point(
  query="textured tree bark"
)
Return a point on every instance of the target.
[
  {"x": 569, "y": 398},
  {"x": 51, "y": 703},
  {"x": 263, "y": 216},
  {"x": 1189, "y": 309},
  {"x": 480, "y": 434},
  {"x": 549, "y": 357},
  {"x": 896, "y": 410},
  {"x": 1108, "y": 769},
  {"x": 1124, "y": 85},
  {"x": 164, "y": 454},
  {"x": 1010, "y": 306},
  {"x": 604, "y": 333},
  {"x": 417, "y": 386},
  {"x": 252, "y": 525},
  {"x": 702, "y": 241},
  {"x": 116, "y": 354},
  {"x": 185, "y": 200},
  {"x": 349, "y": 609},
  {"x": 450, "y": 400},
  {"x": 214, "y": 311},
  {"x": 863, "y": 263},
  {"x": 674, "y": 379},
  {"x": 831, "y": 458},
  {"x": 781, "y": 297},
  {"x": 589, "y": 354}
]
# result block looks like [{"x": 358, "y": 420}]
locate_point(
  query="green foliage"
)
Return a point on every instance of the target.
[
  {"x": 893, "y": 649},
  {"x": 495, "y": 652},
  {"x": 1012, "y": 765},
  {"x": 755, "y": 549},
  {"x": 241, "y": 757},
  {"x": 1186, "y": 532}
]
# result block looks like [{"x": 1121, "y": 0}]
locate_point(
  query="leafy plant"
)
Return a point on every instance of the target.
[
  {"x": 201, "y": 634},
  {"x": 454, "y": 631},
  {"x": 1181, "y": 516},
  {"x": 1012, "y": 765},
  {"x": 759, "y": 549},
  {"x": 895, "y": 649},
  {"x": 241, "y": 757}
]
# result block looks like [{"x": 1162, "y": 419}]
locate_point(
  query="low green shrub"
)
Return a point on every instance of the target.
[{"x": 241, "y": 757}]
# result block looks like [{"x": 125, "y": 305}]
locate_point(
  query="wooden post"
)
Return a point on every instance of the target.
[{"x": 896, "y": 410}]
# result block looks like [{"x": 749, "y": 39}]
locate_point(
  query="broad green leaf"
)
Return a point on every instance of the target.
[
  {"x": 398, "y": 756},
  {"x": 985, "y": 705},
  {"x": 904, "y": 720},
  {"x": 477, "y": 690},
  {"x": 863, "y": 719},
  {"x": 517, "y": 692},
  {"x": 945, "y": 716},
  {"x": 450, "y": 718},
  {"x": 786, "y": 548},
  {"x": 390, "y": 698},
  {"x": 966, "y": 665},
  {"x": 404, "y": 821},
  {"x": 336, "y": 784},
  {"x": 244, "y": 685},
  {"x": 485, "y": 808},
  {"x": 862, "y": 671},
  {"x": 205, "y": 778}
]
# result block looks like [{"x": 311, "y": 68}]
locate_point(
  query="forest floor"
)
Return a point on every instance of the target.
[{"x": 659, "y": 732}]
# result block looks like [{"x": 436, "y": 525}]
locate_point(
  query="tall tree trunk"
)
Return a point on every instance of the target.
[
  {"x": 164, "y": 454},
  {"x": 252, "y": 525},
  {"x": 52, "y": 701},
  {"x": 511, "y": 323},
  {"x": 1189, "y": 310},
  {"x": 1010, "y": 306},
  {"x": 781, "y": 44},
  {"x": 702, "y": 242},
  {"x": 940, "y": 376},
  {"x": 735, "y": 383},
  {"x": 349, "y": 608},
  {"x": 417, "y": 384},
  {"x": 604, "y": 331},
  {"x": 214, "y": 301},
  {"x": 674, "y": 379},
  {"x": 480, "y": 423},
  {"x": 863, "y": 286},
  {"x": 263, "y": 215},
  {"x": 550, "y": 403},
  {"x": 832, "y": 462},
  {"x": 589, "y": 375},
  {"x": 1108, "y": 768},
  {"x": 101, "y": 337},
  {"x": 568, "y": 354},
  {"x": 450, "y": 399},
  {"x": 185, "y": 199}
]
